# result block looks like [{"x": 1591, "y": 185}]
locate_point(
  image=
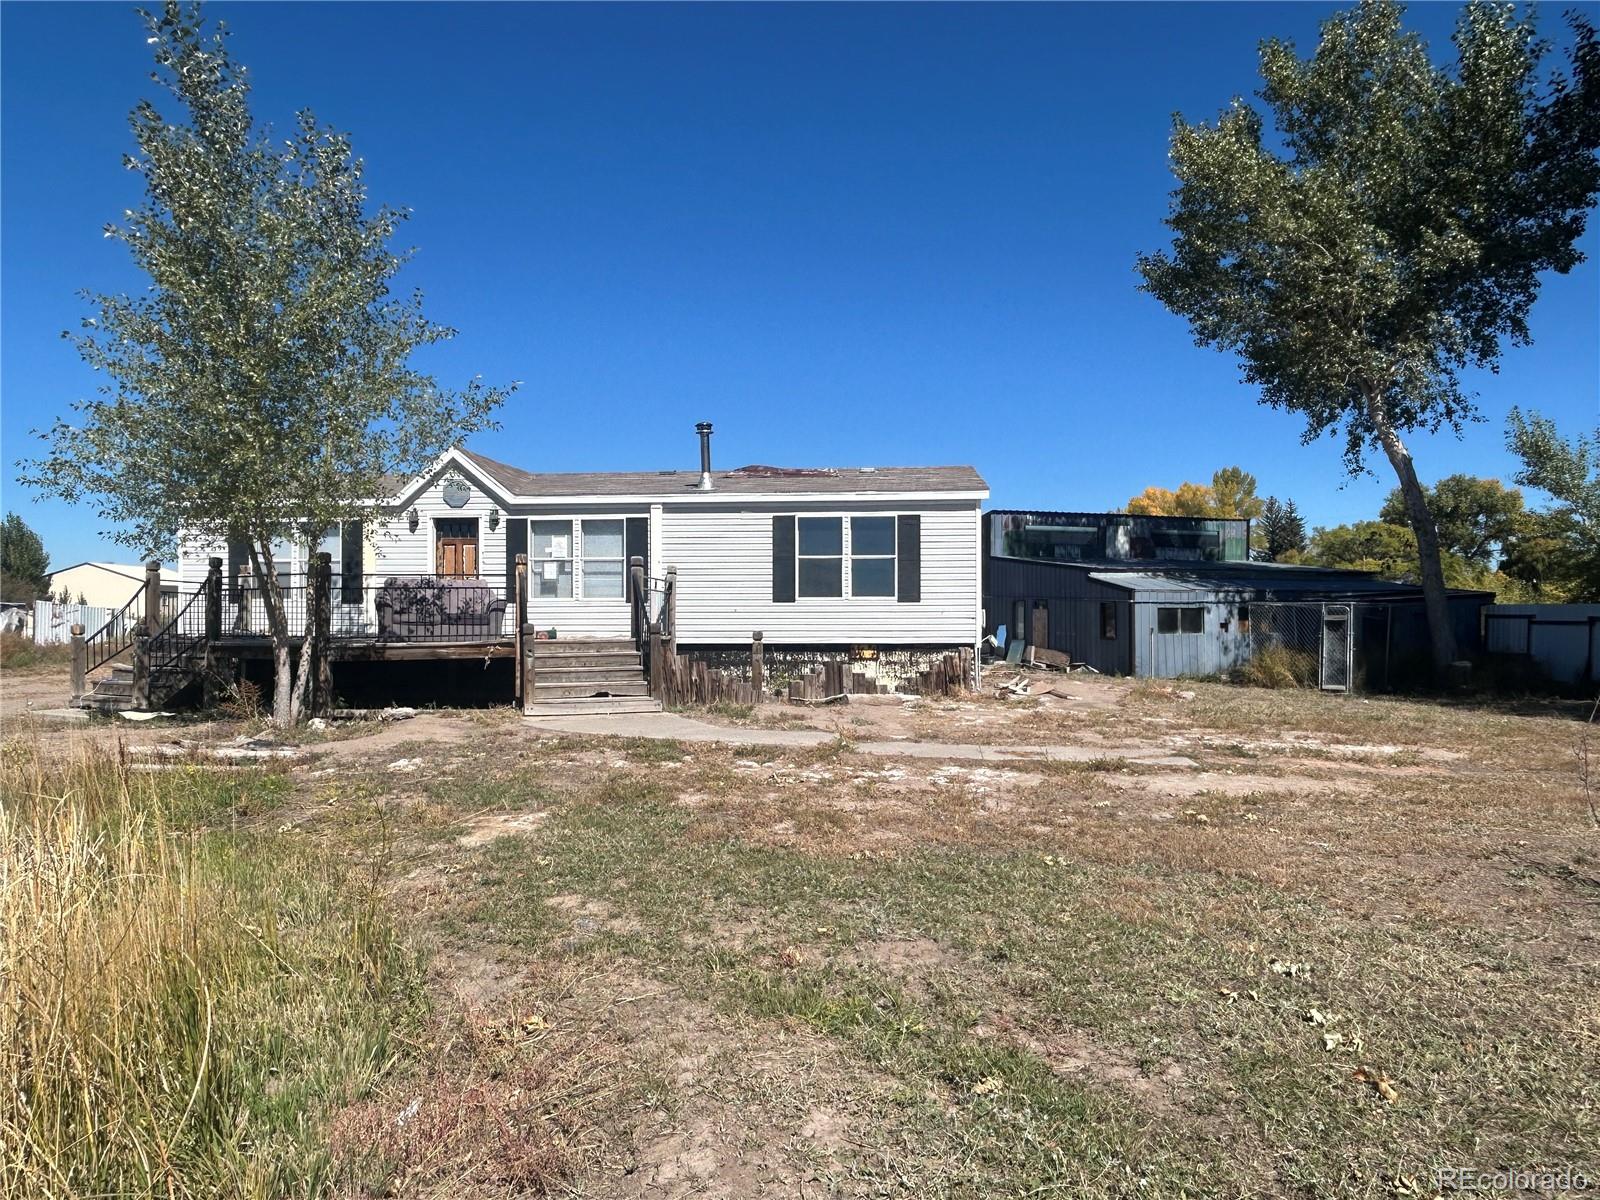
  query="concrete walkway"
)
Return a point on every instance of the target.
[{"x": 672, "y": 727}]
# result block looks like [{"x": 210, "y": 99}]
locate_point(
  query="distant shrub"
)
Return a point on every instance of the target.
[
  {"x": 1279, "y": 667},
  {"x": 18, "y": 653}
]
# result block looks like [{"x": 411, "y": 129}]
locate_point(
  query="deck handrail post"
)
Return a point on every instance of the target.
[
  {"x": 639, "y": 595},
  {"x": 141, "y": 671},
  {"x": 152, "y": 597},
  {"x": 519, "y": 614},
  {"x": 757, "y": 665},
  {"x": 80, "y": 662},
  {"x": 658, "y": 676},
  {"x": 213, "y": 586},
  {"x": 672, "y": 605}
]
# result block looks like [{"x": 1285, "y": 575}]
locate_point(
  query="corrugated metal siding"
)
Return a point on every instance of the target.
[
  {"x": 724, "y": 560},
  {"x": 1073, "y": 600}
]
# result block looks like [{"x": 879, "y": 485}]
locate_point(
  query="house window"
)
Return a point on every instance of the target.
[
  {"x": 820, "y": 557},
  {"x": 603, "y": 560},
  {"x": 550, "y": 559},
  {"x": 1188, "y": 619},
  {"x": 872, "y": 556},
  {"x": 1108, "y": 619}
]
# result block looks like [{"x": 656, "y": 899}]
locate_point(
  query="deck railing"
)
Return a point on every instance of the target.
[
  {"x": 117, "y": 634},
  {"x": 180, "y": 632},
  {"x": 388, "y": 607}
]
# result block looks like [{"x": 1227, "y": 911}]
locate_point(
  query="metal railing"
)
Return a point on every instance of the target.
[
  {"x": 180, "y": 634},
  {"x": 117, "y": 634},
  {"x": 389, "y": 607}
]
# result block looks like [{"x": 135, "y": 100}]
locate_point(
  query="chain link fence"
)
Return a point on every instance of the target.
[{"x": 1338, "y": 647}]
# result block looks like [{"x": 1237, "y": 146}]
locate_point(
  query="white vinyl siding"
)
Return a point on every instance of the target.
[
  {"x": 722, "y": 549},
  {"x": 724, "y": 560}
]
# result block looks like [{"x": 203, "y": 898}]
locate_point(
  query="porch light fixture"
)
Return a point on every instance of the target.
[
  {"x": 494, "y": 519},
  {"x": 412, "y": 520}
]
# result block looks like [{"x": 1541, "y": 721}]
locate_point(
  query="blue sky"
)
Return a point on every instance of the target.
[{"x": 846, "y": 234}]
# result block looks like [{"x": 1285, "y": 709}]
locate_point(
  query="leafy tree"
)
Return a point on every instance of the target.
[
  {"x": 1477, "y": 518},
  {"x": 24, "y": 566},
  {"x": 1282, "y": 529},
  {"x": 1376, "y": 546},
  {"x": 1154, "y": 502},
  {"x": 260, "y": 389},
  {"x": 1233, "y": 494},
  {"x": 1560, "y": 551},
  {"x": 1397, "y": 238}
]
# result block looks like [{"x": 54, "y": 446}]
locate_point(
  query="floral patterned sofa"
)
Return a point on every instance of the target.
[{"x": 430, "y": 608}]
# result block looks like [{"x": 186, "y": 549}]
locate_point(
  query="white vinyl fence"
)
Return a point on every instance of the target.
[{"x": 53, "y": 622}]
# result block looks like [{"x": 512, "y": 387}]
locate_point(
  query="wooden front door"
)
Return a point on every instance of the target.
[{"x": 456, "y": 546}]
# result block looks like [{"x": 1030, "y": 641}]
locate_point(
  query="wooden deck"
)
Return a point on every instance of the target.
[{"x": 371, "y": 649}]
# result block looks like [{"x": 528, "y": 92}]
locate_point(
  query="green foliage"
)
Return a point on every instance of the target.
[
  {"x": 1477, "y": 518},
  {"x": 260, "y": 387},
  {"x": 1397, "y": 238},
  {"x": 24, "y": 566},
  {"x": 1233, "y": 494},
  {"x": 1281, "y": 528},
  {"x": 1377, "y": 546},
  {"x": 1390, "y": 551},
  {"x": 1400, "y": 236},
  {"x": 263, "y": 381},
  {"x": 1558, "y": 554}
]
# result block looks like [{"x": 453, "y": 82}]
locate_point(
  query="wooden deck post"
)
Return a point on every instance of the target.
[
  {"x": 141, "y": 671},
  {"x": 672, "y": 604},
  {"x": 213, "y": 586},
  {"x": 208, "y": 673},
  {"x": 757, "y": 667},
  {"x": 638, "y": 599},
  {"x": 519, "y": 614},
  {"x": 80, "y": 663},
  {"x": 658, "y": 665},
  {"x": 320, "y": 633},
  {"x": 152, "y": 597}
]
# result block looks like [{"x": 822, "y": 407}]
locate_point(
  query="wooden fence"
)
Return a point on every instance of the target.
[{"x": 687, "y": 681}]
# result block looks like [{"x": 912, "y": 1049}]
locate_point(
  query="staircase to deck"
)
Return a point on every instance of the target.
[
  {"x": 587, "y": 677},
  {"x": 113, "y": 691}
]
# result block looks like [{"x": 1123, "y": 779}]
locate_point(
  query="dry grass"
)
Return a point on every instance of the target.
[
  {"x": 183, "y": 1007},
  {"x": 22, "y": 655}
]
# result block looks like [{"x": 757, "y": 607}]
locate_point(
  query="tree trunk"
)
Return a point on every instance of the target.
[
  {"x": 313, "y": 650},
  {"x": 1434, "y": 598},
  {"x": 278, "y": 627}
]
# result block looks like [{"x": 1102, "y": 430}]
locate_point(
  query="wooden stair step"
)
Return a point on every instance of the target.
[
  {"x": 592, "y": 706},
  {"x": 545, "y": 691}
]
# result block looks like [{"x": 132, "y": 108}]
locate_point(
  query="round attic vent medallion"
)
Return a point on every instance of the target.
[{"x": 456, "y": 493}]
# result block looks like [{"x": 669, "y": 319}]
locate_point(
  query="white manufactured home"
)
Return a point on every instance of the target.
[{"x": 878, "y": 564}]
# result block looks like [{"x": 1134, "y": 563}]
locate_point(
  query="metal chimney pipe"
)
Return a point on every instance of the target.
[{"x": 704, "y": 430}]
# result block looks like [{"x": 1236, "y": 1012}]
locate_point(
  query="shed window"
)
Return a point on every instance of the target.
[
  {"x": 550, "y": 560},
  {"x": 1188, "y": 619},
  {"x": 1108, "y": 619},
  {"x": 872, "y": 556},
  {"x": 820, "y": 556}
]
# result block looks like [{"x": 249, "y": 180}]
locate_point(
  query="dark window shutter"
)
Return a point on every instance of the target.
[
  {"x": 352, "y": 561},
  {"x": 909, "y": 550},
  {"x": 516, "y": 543},
  {"x": 783, "y": 560},
  {"x": 636, "y": 544},
  {"x": 238, "y": 559}
]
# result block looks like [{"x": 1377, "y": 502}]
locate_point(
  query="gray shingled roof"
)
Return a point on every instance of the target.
[{"x": 742, "y": 480}]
